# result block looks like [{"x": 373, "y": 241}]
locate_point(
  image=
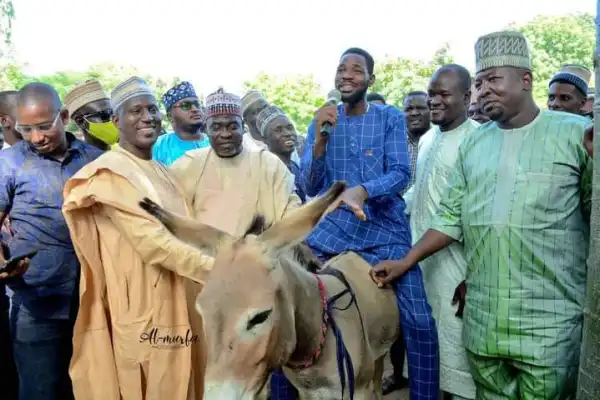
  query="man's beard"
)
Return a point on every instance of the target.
[
  {"x": 194, "y": 128},
  {"x": 356, "y": 97},
  {"x": 496, "y": 115}
]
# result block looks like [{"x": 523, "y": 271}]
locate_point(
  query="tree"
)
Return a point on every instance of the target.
[
  {"x": 7, "y": 14},
  {"x": 13, "y": 77},
  {"x": 298, "y": 97},
  {"x": 395, "y": 77},
  {"x": 555, "y": 41}
]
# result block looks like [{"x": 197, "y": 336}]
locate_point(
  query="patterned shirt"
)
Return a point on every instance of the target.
[
  {"x": 520, "y": 200},
  {"x": 368, "y": 150},
  {"x": 31, "y": 193},
  {"x": 295, "y": 170},
  {"x": 413, "y": 152}
]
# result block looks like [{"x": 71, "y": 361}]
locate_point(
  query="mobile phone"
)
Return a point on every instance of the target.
[{"x": 10, "y": 265}]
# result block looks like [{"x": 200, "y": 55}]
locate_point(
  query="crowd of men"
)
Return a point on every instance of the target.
[{"x": 471, "y": 202}]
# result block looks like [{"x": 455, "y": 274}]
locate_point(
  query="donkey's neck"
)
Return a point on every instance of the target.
[{"x": 308, "y": 308}]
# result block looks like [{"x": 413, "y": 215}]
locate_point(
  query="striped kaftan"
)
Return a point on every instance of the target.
[
  {"x": 520, "y": 201},
  {"x": 445, "y": 270}
]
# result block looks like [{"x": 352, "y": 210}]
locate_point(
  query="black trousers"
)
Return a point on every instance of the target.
[
  {"x": 397, "y": 352},
  {"x": 8, "y": 370}
]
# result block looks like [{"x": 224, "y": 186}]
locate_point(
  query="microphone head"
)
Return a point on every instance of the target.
[{"x": 334, "y": 97}]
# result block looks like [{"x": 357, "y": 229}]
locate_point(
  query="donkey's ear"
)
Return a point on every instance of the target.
[
  {"x": 204, "y": 237},
  {"x": 294, "y": 228}
]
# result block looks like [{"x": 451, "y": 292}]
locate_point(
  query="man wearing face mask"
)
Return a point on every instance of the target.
[
  {"x": 187, "y": 115},
  {"x": 89, "y": 107}
]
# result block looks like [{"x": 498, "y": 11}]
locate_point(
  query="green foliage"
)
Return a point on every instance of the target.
[
  {"x": 12, "y": 77},
  {"x": 7, "y": 15},
  {"x": 298, "y": 97},
  {"x": 395, "y": 77},
  {"x": 555, "y": 41}
]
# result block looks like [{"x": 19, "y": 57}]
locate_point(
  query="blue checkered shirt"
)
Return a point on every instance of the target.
[
  {"x": 295, "y": 170},
  {"x": 368, "y": 150},
  {"x": 31, "y": 192}
]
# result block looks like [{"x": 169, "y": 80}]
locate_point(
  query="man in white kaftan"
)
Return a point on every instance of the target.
[{"x": 445, "y": 270}]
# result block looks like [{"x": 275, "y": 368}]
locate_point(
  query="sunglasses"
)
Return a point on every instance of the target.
[
  {"x": 101, "y": 116},
  {"x": 43, "y": 127},
  {"x": 188, "y": 105}
]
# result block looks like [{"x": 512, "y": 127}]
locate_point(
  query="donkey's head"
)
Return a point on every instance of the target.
[{"x": 246, "y": 301}]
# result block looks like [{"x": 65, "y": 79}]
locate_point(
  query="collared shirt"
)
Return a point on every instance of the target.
[
  {"x": 368, "y": 150},
  {"x": 31, "y": 193}
]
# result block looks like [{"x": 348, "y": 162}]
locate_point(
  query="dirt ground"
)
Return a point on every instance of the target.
[{"x": 401, "y": 395}]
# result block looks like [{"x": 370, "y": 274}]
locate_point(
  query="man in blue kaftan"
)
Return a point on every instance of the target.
[{"x": 367, "y": 148}]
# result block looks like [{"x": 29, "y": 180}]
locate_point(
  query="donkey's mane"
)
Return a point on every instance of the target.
[{"x": 300, "y": 252}]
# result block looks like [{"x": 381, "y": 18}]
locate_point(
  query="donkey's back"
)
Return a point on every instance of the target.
[{"x": 377, "y": 307}]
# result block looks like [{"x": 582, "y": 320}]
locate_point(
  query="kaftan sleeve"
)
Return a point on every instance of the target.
[
  {"x": 157, "y": 246},
  {"x": 448, "y": 218},
  {"x": 183, "y": 170}
]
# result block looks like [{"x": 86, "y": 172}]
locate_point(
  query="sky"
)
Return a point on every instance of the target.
[{"x": 216, "y": 43}]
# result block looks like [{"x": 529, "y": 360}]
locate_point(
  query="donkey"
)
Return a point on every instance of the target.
[{"x": 263, "y": 310}]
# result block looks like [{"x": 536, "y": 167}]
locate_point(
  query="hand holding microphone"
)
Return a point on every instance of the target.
[{"x": 326, "y": 116}]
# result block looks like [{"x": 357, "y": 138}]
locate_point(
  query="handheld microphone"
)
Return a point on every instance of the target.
[{"x": 333, "y": 98}]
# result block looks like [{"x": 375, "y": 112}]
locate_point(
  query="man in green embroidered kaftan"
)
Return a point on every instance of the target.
[
  {"x": 449, "y": 97},
  {"x": 519, "y": 200}
]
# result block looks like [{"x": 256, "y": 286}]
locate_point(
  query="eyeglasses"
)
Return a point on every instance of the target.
[
  {"x": 187, "y": 105},
  {"x": 100, "y": 116},
  {"x": 43, "y": 127}
]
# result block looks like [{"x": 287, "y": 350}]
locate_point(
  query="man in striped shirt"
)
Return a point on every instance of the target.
[{"x": 519, "y": 200}]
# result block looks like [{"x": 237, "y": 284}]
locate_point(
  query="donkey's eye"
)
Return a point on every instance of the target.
[{"x": 258, "y": 319}]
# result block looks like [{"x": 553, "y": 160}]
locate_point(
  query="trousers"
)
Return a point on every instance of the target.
[
  {"x": 417, "y": 322},
  {"x": 42, "y": 349},
  {"x": 8, "y": 370},
  {"x": 506, "y": 379}
]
